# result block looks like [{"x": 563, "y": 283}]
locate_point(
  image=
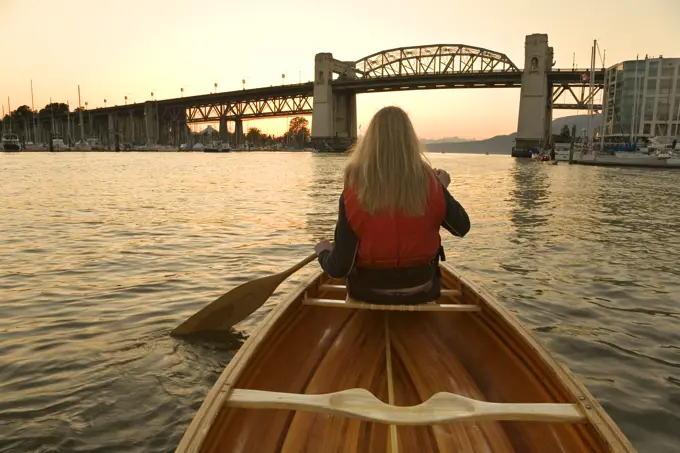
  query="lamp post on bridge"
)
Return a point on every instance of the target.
[
  {"x": 182, "y": 91},
  {"x": 215, "y": 87},
  {"x": 283, "y": 79},
  {"x": 104, "y": 103},
  {"x": 125, "y": 100},
  {"x": 244, "y": 83}
]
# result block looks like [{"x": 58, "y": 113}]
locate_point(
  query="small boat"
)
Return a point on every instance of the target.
[
  {"x": 82, "y": 145},
  {"x": 10, "y": 142},
  {"x": 30, "y": 146},
  {"x": 95, "y": 144},
  {"x": 58, "y": 143},
  {"x": 664, "y": 154},
  {"x": 217, "y": 147},
  {"x": 325, "y": 374}
]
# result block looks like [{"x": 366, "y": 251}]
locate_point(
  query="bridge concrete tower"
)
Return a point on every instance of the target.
[
  {"x": 334, "y": 116},
  {"x": 535, "y": 104}
]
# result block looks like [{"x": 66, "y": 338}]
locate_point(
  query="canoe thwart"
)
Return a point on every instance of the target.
[
  {"x": 442, "y": 407},
  {"x": 418, "y": 307},
  {"x": 444, "y": 292}
]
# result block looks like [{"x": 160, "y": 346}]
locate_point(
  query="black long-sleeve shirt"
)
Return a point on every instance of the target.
[{"x": 339, "y": 262}]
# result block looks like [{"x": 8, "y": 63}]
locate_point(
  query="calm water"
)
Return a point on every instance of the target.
[{"x": 104, "y": 253}]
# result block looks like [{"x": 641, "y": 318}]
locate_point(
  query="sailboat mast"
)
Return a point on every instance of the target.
[
  {"x": 35, "y": 132},
  {"x": 52, "y": 114},
  {"x": 634, "y": 119},
  {"x": 68, "y": 123},
  {"x": 80, "y": 117},
  {"x": 588, "y": 110},
  {"x": 9, "y": 108}
]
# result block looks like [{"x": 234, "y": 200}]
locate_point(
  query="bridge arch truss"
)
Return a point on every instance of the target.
[{"x": 433, "y": 60}]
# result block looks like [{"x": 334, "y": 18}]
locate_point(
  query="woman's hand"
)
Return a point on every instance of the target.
[
  {"x": 444, "y": 177},
  {"x": 323, "y": 245}
]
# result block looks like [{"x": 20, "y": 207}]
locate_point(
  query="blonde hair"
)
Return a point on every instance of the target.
[{"x": 388, "y": 169}]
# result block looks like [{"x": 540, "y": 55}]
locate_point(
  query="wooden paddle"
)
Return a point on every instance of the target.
[{"x": 237, "y": 304}]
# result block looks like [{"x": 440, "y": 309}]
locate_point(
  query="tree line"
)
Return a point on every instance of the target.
[
  {"x": 297, "y": 134},
  {"x": 23, "y": 116}
]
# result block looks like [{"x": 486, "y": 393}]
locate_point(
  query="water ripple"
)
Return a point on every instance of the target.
[{"x": 104, "y": 253}]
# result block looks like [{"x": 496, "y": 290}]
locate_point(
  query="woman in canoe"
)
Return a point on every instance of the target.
[{"x": 387, "y": 241}]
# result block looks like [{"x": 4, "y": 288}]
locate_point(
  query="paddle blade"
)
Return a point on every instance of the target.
[
  {"x": 231, "y": 307},
  {"x": 237, "y": 304}
]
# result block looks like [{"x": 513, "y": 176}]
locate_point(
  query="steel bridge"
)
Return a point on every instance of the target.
[
  {"x": 445, "y": 66},
  {"x": 440, "y": 66}
]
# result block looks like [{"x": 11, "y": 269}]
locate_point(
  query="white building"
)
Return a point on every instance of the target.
[{"x": 642, "y": 98}]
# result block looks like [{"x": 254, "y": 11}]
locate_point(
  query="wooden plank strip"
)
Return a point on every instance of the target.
[
  {"x": 394, "y": 441},
  {"x": 442, "y": 407},
  {"x": 444, "y": 292},
  {"x": 419, "y": 307}
]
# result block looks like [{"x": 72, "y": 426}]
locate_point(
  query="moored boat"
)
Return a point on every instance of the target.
[
  {"x": 82, "y": 145},
  {"x": 324, "y": 374},
  {"x": 217, "y": 147},
  {"x": 10, "y": 142},
  {"x": 58, "y": 143}
]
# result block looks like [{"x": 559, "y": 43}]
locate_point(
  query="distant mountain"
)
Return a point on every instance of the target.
[
  {"x": 580, "y": 121},
  {"x": 447, "y": 140},
  {"x": 502, "y": 144}
]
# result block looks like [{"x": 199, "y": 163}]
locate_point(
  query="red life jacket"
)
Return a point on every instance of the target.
[{"x": 396, "y": 241}]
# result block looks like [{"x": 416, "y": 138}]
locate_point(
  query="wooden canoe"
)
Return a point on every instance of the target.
[{"x": 301, "y": 383}]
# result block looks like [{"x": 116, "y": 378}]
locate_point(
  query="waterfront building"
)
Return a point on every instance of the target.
[{"x": 642, "y": 99}]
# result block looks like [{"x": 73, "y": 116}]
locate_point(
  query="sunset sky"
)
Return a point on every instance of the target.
[{"x": 133, "y": 47}]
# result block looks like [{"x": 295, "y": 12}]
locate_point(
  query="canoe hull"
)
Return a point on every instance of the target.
[{"x": 486, "y": 355}]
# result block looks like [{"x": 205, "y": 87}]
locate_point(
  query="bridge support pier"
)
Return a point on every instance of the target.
[
  {"x": 224, "y": 131},
  {"x": 334, "y": 116},
  {"x": 151, "y": 123},
  {"x": 238, "y": 131},
  {"x": 131, "y": 121},
  {"x": 111, "y": 131},
  {"x": 535, "y": 104}
]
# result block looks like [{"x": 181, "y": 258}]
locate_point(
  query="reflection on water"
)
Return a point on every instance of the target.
[
  {"x": 326, "y": 187},
  {"x": 104, "y": 253}
]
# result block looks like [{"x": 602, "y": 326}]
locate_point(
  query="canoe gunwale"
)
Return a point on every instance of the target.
[{"x": 596, "y": 416}]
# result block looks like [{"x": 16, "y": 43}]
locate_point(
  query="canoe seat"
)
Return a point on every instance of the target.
[
  {"x": 442, "y": 407},
  {"x": 444, "y": 292},
  {"x": 350, "y": 303}
]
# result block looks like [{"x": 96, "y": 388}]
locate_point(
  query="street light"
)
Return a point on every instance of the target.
[
  {"x": 152, "y": 96},
  {"x": 125, "y": 100},
  {"x": 182, "y": 90},
  {"x": 215, "y": 87},
  {"x": 283, "y": 78},
  {"x": 244, "y": 83},
  {"x": 104, "y": 103}
]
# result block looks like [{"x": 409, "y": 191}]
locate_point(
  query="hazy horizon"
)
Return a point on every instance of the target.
[{"x": 133, "y": 48}]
